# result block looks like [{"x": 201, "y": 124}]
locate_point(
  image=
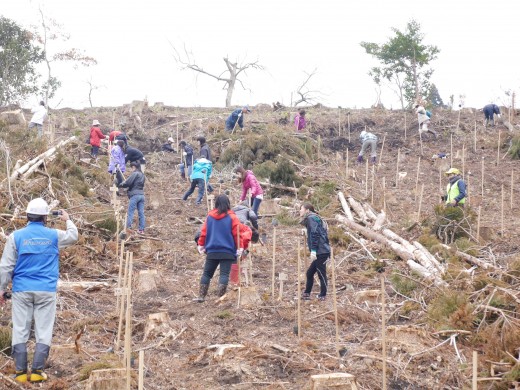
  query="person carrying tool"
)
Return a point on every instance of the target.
[
  {"x": 187, "y": 156},
  {"x": 318, "y": 243},
  {"x": 117, "y": 162},
  {"x": 367, "y": 139},
  {"x": 455, "y": 190},
  {"x": 423, "y": 117},
  {"x": 236, "y": 117},
  {"x": 249, "y": 182},
  {"x": 39, "y": 116},
  {"x": 135, "y": 185},
  {"x": 199, "y": 178},
  {"x": 135, "y": 155},
  {"x": 299, "y": 121},
  {"x": 31, "y": 261},
  {"x": 96, "y": 135},
  {"x": 489, "y": 113},
  {"x": 220, "y": 242}
]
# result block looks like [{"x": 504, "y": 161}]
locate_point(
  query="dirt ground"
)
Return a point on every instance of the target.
[{"x": 177, "y": 354}]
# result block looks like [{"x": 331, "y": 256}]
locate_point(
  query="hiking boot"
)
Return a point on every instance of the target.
[
  {"x": 321, "y": 297},
  {"x": 373, "y": 160},
  {"x": 20, "y": 376},
  {"x": 38, "y": 376},
  {"x": 306, "y": 296},
  {"x": 359, "y": 159},
  {"x": 221, "y": 290},
  {"x": 203, "y": 291}
]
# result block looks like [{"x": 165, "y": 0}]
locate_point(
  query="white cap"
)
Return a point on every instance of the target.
[
  {"x": 170, "y": 139},
  {"x": 362, "y": 133},
  {"x": 37, "y": 206},
  {"x": 95, "y": 122}
]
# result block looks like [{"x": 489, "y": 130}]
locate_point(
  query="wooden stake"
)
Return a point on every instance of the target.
[
  {"x": 420, "y": 203},
  {"x": 405, "y": 125},
  {"x": 417, "y": 177},
  {"x": 397, "y": 169},
  {"x": 274, "y": 262},
  {"x": 348, "y": 124},
  {"x": 498, "y": 149},
  {"x": 468, "y": 191},
  {"x": 512, "y": 187},
  {"x": 128, "y": 325},
  {"x": 475, "y": 371},
  {"x": 366, "y": 179},
  {"x": 346, "y": 166},
  {"x": 334, "y": 299},
  {"x": 478, "y": 224},
  {"x": 440, "y": 180},
  {"x": 118, "y": 298},
  {"x": 383, "y": 330},
  {"x": 463, "y": 160},
  {"x": 281, "y": 277},
  {"x": 122, "y": 303},
  {"x": 502, "y": 211},
  {"x": 141, "y": 370},
  {"x": 382, "y": 148},
  {"x": 299, "y": 294},
  {"x": 482, "y": 180},
  {"x": 451, "y": 150},
  {"x": 373, "y": 180},
  {"x": 475, "y": 138},
  {"x": 178, "y": 149},
  {"x": 384, "y": 194},
  {"x": 339, "y": 122}
]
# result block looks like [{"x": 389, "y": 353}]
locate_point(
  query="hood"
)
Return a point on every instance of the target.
[{"x": 214, "y": 214}]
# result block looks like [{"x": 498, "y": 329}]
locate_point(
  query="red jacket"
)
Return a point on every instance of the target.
[
  {"x": 113, "y": 135},
  {"x": 96, "y": 136},
  {"x": 245, "y": 236}
]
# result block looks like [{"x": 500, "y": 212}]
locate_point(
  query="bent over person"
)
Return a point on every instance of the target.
[{"x": 31, "y": 261}]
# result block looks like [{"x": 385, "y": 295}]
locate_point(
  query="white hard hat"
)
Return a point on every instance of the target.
[
  {"x": 170, "y": 139},
  {"x": 95, "y": 122},
  {"x": 37, "y": 206},
  {"x": 362, "y": 133}
]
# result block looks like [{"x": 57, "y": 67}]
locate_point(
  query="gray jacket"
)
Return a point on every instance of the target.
[
  {"x": 245, "y": 214},
  {"x": 134, "y": 183}
]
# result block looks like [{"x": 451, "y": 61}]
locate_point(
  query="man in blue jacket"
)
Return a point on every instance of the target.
[
  {"x": 236, "y": 117},
  {"x": 489, "y": 113},
  {"x": 31, "y": 261},
  {"x": 199, "y": 178}
]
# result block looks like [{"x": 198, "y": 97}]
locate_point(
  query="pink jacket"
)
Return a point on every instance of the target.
[{"x": 250, "y": 182}]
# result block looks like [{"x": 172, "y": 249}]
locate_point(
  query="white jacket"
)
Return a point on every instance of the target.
[
  {"x": 421, "y": 115},
  {"x": 366, "y": 136},
  {"x": 40, "y": 113}
]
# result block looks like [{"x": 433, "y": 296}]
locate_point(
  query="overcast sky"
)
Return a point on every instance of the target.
[{"x": 478, "y": 41}]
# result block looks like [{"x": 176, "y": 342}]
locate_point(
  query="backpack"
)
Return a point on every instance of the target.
[{"x": 428, "y": 114}]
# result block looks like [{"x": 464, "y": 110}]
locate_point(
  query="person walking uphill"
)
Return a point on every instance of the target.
[
  {"x": 199, "y": 178},
  {"x": 367, "y": 139},
  {"x": 236, "y": 117},
  {"x": 219, "y": 241},
  {"x": 135, "y": 185},
  {"x": 39, "y": 115},
  {"x": 489, "y": 114},
  {"x": 249, "y": 182},
  {"x": 456, "y": 189},
  {"x": 318, "y": 242},
  {"x": 117, "y": 162},
  {"x": 96, "y": 135},
  {"x": 31, "y": 261},
  {"x": 424, "y": 120}
]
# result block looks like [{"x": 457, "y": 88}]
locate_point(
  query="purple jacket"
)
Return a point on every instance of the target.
[
  {"x": 117, "y": 156},
  {"x": 250, "y": 182},
  {"x": 299, "y": 122}
]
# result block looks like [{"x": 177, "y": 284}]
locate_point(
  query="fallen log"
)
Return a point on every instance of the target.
[
  {"x": 473, "y": 260},
  {"x": 33, "y": 164},
  {"x": 345, "y": 206},
  {"x": 280, "y": 187},
  {"x": 380, "y": 220},
  {"x": 358, "y": 209},
  {"x": 431, "y": 257}
]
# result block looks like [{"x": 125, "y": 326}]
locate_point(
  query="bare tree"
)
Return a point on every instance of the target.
[
  {"x": 306, "y": 95},
  {"x": 91, "y": 88},
  {"x": 229, "y": 77}
]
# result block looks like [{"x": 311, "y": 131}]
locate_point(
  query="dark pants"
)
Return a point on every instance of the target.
[
  {"x": 256, "y": 205},
  {"x": 211, "y": 266},
  {"x": 318, "y": 265},
  {"x": 94, "y": 151},
  {"x": 194, "y": 184},
  {"x": 119, "y": 177}
]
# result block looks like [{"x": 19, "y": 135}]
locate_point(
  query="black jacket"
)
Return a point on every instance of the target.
[
  {"x": 317, "y": 236},
  {"x": 134, "y": 183},
  {"x": 133, "y": 154},
  {"x": 205, "y": 152}
]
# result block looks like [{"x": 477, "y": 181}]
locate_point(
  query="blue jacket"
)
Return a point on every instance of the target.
[
  {"x": 317, "y": 237},
  {"x": 235, "y": 116},
  {"x": 37, "y": 267},
  {"x": 201, "y": 169},
  {"x": 491, "y": 109}
]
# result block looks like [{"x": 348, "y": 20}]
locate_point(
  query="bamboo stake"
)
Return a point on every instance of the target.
[
  {"x": 498, "y": 149},
  {"x": 128, "y": 325},
  {"x": 463, "y": 160},
  {"x": 141, "y": 370},
  {"x": 299, "y": 294},
  {"x": 482, "y": 180},
  {"x": 420, "y": 203},
  {"x": 122, "y": 303},
  {"x": 468, "y": 192},
  {"x": 334, "y": 299},
  {"x": 383, "y": 329},
  {"x": 417, "y": 177},
  {"x": 348, "y": 124},
  {"x": 451, "y": 150},
  {"x": 475, "y": 371},
  {"x": 274, "y": 262},
  {"x": 382, "y": 148},
  {"x": 512, "y": 187},
  {"x": 397, "y": 169},
  {"x": 502, "y": 211},
  {"x": 373, "y": 180},
  {"x": 478, "y": 224},
  {"x": 366, "y": 179}
]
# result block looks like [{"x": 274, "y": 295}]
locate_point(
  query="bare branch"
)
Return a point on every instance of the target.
[{"x": 306, "y": 95}]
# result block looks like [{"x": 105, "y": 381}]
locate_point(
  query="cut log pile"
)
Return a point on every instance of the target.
[{"x": 363, "y": 220}]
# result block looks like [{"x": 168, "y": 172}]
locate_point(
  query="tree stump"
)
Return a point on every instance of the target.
[
  {"x": 147, "y": 280},
  {"x": 13, "y": 117},
  {"x": 108, "y": 379},
  {"x": 335, "y": 380},
  {"x": 158, "y": 324}
]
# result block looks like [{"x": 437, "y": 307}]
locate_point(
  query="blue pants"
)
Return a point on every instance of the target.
[
  {"x": 210, "y": 266},
  {"x": 256, "y": 205},
  {"x": 195, "y": 183},
  {"x": 136, "y": 201}
]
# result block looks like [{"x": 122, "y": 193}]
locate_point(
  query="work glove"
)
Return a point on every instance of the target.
[
  {"x": 184, "y": 154},
  {"x": 313, "y": 255},
  {"x": 201, "y": 249},
  {"x": 240, "y": 251},
  {"x": 304, "y": 232}
]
